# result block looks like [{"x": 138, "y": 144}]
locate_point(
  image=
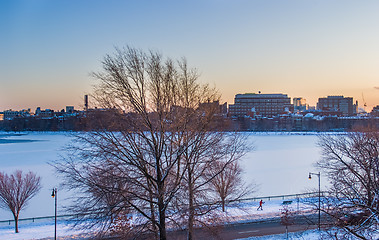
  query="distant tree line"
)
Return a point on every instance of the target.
[
  {"x": 97, "y": 119},
  {"x": 71, "y": 123}
]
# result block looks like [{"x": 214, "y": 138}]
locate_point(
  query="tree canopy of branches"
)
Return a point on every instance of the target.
[
  {"x": 352, "y": 166},
  {"x": 16, "y": 190},
  {"x": 227, "y": 184},
  {"x": 149, "y": 153}
]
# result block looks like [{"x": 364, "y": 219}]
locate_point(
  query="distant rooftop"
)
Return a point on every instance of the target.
[
  {"x": 260, "y": 95},
  {"x": 335, "y": 96}
]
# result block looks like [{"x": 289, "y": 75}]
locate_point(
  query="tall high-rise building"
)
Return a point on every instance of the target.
[
  {"x": 299, "y": 104},
  {"x": 86, "y": 102},
  {"x": 338, "y": 104},
  {"x": 266, "y": 105}
]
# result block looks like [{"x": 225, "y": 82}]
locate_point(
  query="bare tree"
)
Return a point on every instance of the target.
[
  {"x": 16, "y": 190},
  {"x": 227, "y": 183},
  {"x": 352, "y": 165},
  {"x": 209, "y": 158},
  {"x": 159, "y": 122},
  {"x": 286, "y": 217}
]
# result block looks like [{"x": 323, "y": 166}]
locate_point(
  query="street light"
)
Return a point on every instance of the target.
[
  {"x": 319, "y": 196},
  {"x": 54, "y": 195}
]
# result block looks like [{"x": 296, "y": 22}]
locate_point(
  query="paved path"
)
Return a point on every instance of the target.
[{"x": 245, "y": 230}]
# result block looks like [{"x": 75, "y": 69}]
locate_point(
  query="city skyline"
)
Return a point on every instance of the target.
[
  {"x": 308, "y": 49},
  {"x": 85, "y": 104}
]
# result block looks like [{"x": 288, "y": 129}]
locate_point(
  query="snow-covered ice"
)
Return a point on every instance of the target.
[
  {"x": 34, "y": 156},
  {"x": 279, "y": 165}
]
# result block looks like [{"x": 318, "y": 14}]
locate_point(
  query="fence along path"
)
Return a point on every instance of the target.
[{"x": 67, "y": 217}]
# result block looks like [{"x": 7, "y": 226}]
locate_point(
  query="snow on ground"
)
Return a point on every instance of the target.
[
  {"x": 247, "y": 211},
  {"x": 46, "y": 231},
  {"x": 236, "y": 213},
  {"x": 306, "y": 235},
  {"x": 42, "y": 231}
]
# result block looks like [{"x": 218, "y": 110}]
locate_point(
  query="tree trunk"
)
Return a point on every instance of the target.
[
  {"x": 191, "y": 207},
  {"x": 152, "y": 212},
  {"x": 286, "y": 232},
  {"x": 15, "y": 223},
  {"x": 155, "y": 230},
  {"x": 161, "y": 210},
  {"x": 162, "y": 221},
  {"x": 223, "y": 204}
]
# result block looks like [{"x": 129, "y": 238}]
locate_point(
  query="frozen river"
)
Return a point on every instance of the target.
[{"x": 279, "y": 164}]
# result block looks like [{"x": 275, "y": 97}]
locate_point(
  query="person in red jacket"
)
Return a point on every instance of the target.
[{"x": 260, "y": 205}]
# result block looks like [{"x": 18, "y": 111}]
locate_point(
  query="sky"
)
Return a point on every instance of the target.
[{"x": 303, "y": 48}]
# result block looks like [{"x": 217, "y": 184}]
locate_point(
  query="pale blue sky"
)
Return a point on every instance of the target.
[{"x": 304, "y": 48}]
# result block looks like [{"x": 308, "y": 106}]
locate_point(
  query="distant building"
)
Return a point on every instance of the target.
[
  {"x": 70, "y": 109},
  {"x": 219, "y": 108},
  {"x": 337, "y": 105},
  {"x": 375, "y": 111},
  {"x": 266, "y": 105},
  {"x": 300, "y": 104},
  {"x": 47, "y": 113},
  {"x": 86, "y": 102},
  {"x": 38, "y": 111},
  {"x": 10, "y": 114}
]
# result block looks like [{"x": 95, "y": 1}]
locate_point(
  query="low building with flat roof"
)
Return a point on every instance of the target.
[
  {"x": 265, "y": 105},
  {"x": 338, "y": 105}
]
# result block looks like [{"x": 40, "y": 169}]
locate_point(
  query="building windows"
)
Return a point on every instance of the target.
[{"x": 266, "y": 105}]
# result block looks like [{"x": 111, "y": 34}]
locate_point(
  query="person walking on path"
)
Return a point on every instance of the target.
[{"x": 260, "y": 205}]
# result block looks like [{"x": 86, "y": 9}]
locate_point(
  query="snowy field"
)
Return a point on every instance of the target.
[{"x": 279, "y": 165}]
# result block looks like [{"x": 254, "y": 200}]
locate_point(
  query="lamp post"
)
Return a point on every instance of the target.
[
  {"x": 54, "y": 195},
  {"x": 319, "y": 196}
]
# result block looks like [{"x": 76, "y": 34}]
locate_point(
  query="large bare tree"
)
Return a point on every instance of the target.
[
  {"x": 351, "y": 162},
  {"x": 211, "y": 157},
  {"x": 16, "y": 190},
  {"x": 159, "y": 123}
]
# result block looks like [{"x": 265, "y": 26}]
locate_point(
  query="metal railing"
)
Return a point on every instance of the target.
[
  {"x": 67, "y": 217},
  {"x": 282, "y": 197}
]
